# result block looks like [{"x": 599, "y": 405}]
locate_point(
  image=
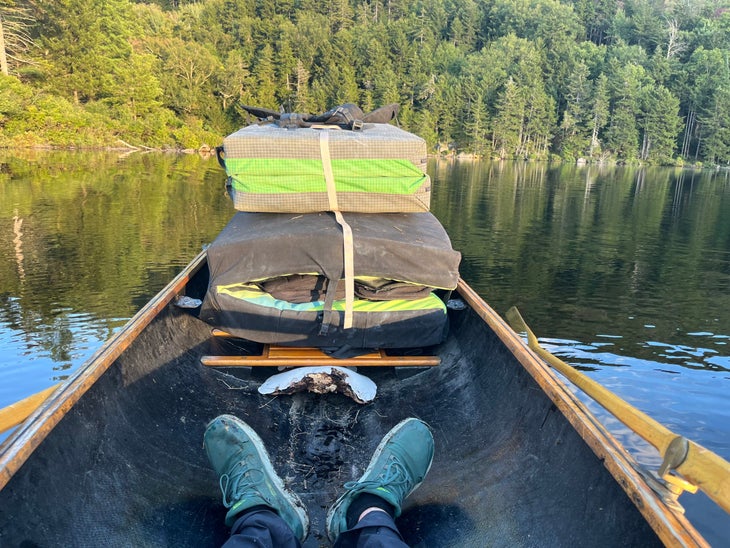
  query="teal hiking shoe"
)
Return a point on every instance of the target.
[
  {"x": 397, "y": 468},
  {"x": 247, "y": 477}
]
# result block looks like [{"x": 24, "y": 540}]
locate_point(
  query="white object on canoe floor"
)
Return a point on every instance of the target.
[
  {"x": 187, "y": 302},
  {"x": 321, "y": 380}
]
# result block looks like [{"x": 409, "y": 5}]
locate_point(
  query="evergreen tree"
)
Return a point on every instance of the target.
[
  {"x": 707, "y": 73},
  {"x": 661, "y": 124},
  {"x": 599, "y": 112},
  {"x": 575, "y": 129},
  {"x": 88, "y": 42},
  {"x": 476, "y": 126},
  {"x": 425, "y": 126},
  {"x": 264, "y": 75},
  {"x": 508, "y": 126},
  {"x": 716, "y": 128},
  {"x": 622, "y": 136},
  {"x": 646, "y": 24}
]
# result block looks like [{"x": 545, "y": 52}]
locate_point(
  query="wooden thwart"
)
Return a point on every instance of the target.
[{"x": 286, "y": 356}]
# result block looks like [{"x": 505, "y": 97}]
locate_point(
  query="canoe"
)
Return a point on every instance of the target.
[{"x": 114, "y": 457}]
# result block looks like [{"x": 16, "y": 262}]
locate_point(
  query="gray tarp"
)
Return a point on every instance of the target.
[{"x": 409, "y": 247}]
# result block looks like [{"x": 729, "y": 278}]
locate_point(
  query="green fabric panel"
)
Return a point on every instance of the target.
[
  {"x": 295, "y": 184},
  {"x": 254, "y": 295},
  {"x": 281, "y": 175}
]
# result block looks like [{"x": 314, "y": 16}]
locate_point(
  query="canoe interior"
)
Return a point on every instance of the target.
[{"x": 126, "y": 467}]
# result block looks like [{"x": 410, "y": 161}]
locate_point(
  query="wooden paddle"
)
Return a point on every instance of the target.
[
  {"x": 17, "y": 412},
  {"x": 701, "y": 467}
]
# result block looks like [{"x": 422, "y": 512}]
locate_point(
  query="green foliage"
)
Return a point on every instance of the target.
[
  {"x": 32, "y": 118},
  {"x": 633, "y": 80},
  {"x": 661, "y": 125}
]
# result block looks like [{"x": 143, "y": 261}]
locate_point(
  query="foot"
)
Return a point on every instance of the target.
[
  {"x": 396, "y": 469},
  {"x": 247, "y": 477}
]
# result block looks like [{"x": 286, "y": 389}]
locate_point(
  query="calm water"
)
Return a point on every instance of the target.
[{"x": 623, "y": 272}]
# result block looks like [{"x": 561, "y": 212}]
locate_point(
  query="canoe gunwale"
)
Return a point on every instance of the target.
[
  {"x": 672, "y": 528},
  {"x": 30, "y": 434}
]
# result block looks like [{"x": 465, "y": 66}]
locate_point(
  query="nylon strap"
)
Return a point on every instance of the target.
[
  {"x": 329, "y": 176},
  {"x": 347, "y": 239},
  {"x": 328, "y": 315},
  {"x": 348, "y": 248}
]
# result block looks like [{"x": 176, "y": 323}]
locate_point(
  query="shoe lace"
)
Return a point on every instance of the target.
[
  {"x": 240, "y": 482},
  {"x": 395, "y": 479}
]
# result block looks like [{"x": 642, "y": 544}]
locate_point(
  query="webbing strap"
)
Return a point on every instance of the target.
[
  {"x": 347, "y": 239},
  {"x": 328, "y": 315},
  {"x": 329, "y": 176},
  {"x": 348, "y": 249}
]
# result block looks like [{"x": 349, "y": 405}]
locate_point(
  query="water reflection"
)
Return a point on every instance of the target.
[
  {"x": 580, "y": 248},
  {"x": 85, "y": 241}
]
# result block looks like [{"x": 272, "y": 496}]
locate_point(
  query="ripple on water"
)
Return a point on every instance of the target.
[{"x": 673, "y": 387}]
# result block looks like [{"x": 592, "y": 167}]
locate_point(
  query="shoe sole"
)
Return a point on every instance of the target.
[
  {"x": 378, "y": 450},
  {"x": 282, "y": 489}
]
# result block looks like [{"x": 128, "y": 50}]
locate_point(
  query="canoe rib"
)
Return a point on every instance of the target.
[
  {"x": 672, "y": 529},
  {"x": 21, "y": 444}
]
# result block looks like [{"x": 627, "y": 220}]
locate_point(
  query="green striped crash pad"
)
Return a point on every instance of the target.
[
  {"x": 406, "y": 247},
  {"x": 246, "y": 311},
  {"x": 380, "y": 169}
]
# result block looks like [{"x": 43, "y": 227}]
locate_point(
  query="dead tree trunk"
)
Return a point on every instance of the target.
[{"x": 3, "y": 53}]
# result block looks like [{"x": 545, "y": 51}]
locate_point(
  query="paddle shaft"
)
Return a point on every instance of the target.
[
  {"x": 702, "y": 467},
  {"x": 15, "y": 413}
]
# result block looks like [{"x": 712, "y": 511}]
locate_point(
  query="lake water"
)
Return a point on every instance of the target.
[{"x": 622, "y": 272}]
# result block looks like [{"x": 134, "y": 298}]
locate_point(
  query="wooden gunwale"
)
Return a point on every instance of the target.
[
  {"x": 672, "y": 528},
  {"x": 21, "y": 444}
]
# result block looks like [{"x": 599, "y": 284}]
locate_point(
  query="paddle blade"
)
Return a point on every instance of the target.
[{"x": 15, "y": 413}]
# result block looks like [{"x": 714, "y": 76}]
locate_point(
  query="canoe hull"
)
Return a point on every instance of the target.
[{"x": 125, "y": 465}]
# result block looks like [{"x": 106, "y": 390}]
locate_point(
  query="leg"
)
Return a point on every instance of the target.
[
  {"x": 263, "y": 528},
  {"x": 248, "y": 481},
  {"x": 375, "y": 530},
  {"x": 365, "y": 511}
]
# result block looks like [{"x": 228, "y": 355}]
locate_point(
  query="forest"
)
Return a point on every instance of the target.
[{"x": 632, "y": 81}]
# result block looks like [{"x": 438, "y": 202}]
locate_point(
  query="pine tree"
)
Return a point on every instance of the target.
[
  {"x": 476, "y": 126},
  {"x": 508, "y": 126},
  {"x": 622, "y": 136},
  {"x": 599, "y": 112},
  {"x": 716, "y": 128},
  {"x": 575, "y": 128},
  {"x": 87, "y": 42},
  {"x": 264, "y": 75},
  {"x": 660, "y": 124}
]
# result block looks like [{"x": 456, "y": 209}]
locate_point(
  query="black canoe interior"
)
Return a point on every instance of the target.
[{"x": 126, "y": 467}]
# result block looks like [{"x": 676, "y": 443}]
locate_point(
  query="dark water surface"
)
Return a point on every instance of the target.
[{"x": 622, "y": 272}]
